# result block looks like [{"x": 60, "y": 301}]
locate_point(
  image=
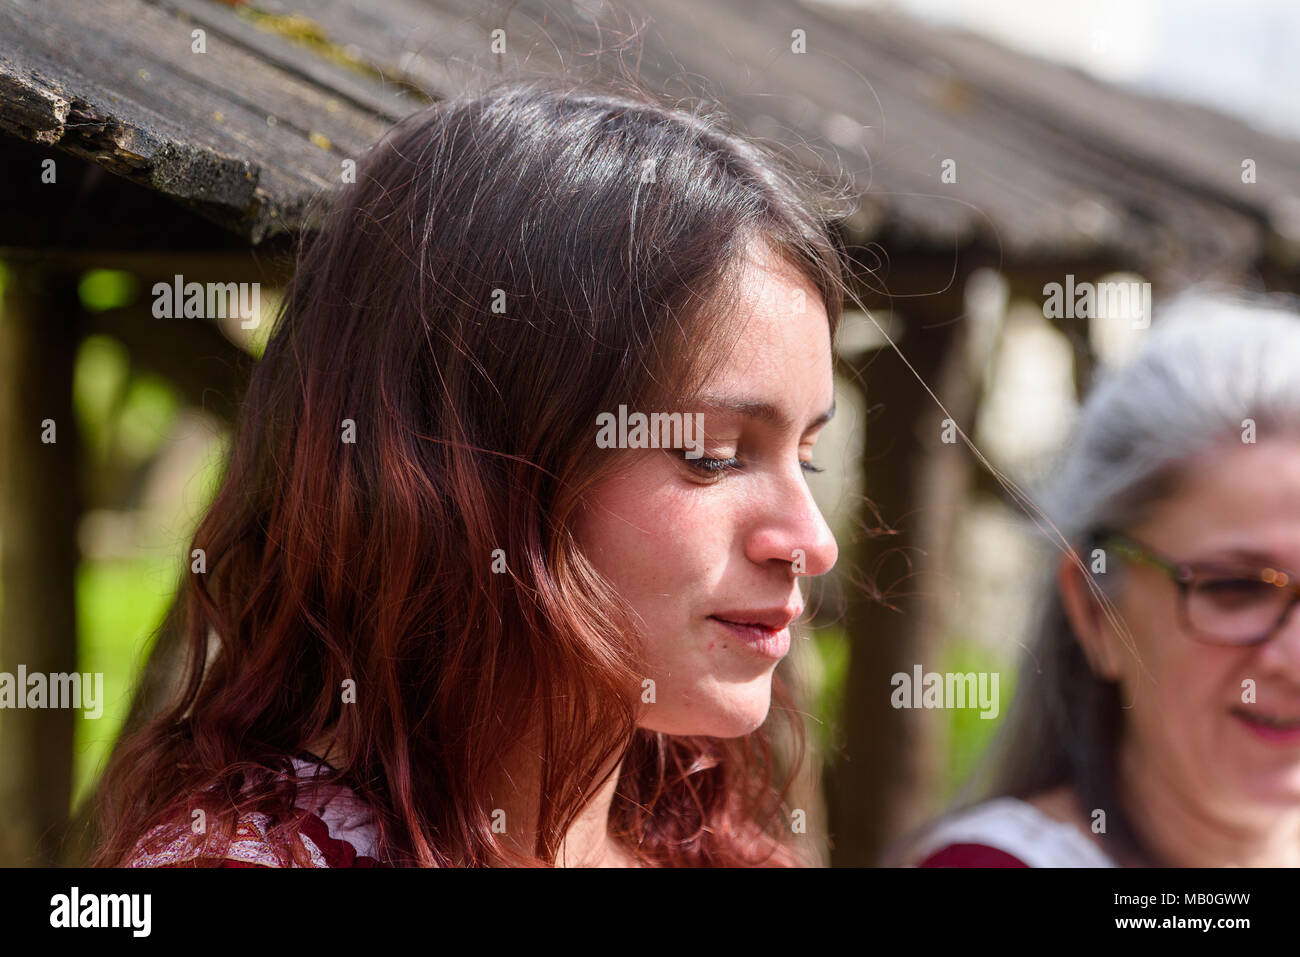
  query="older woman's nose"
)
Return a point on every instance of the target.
[{"x": 1283, "y": 650}]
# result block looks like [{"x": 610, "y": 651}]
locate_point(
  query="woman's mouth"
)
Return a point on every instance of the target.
[
  {"x": 1274, "y": 728},
  {"x": 767, "y": 641}
]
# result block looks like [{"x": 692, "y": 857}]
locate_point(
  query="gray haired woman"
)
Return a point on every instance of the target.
[{"x": 1157, "y": 718}]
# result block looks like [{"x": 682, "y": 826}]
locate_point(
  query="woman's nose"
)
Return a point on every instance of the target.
[{"x": 793, "y": 530}]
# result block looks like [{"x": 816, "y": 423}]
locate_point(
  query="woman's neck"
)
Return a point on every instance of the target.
[
  {"x": 587, "y": 843},
  {"x": 1182, "y": 831}
]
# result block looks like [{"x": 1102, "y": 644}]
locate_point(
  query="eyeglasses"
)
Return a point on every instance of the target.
[{"x": 1218, "y": 603}]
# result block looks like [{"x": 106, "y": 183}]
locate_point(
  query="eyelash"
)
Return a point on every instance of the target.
[{"x": 716, "y": 467}]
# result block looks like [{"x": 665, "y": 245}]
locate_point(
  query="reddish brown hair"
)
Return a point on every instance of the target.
[{"x": 371, "y": 561}]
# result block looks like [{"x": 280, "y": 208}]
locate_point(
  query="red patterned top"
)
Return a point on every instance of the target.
[{"x": 338, "y": 832}]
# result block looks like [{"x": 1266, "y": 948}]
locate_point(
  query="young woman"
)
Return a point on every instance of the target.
[
  {"x": 442, "y": 623},
  {"x": 1159, "y": 723}
]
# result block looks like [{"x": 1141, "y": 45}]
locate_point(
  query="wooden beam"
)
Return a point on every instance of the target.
[{"x": 151, "y": 265}]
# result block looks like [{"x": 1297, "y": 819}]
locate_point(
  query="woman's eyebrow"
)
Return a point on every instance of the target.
[{"x": 761, "y": 411}]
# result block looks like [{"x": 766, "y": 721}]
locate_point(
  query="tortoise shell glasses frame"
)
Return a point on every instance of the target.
[{"x": 1219, "y": 603}]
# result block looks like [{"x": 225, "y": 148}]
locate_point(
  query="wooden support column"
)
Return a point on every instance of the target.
[
  {"x": 40, "y": 503},
  {"x": 888, "y": 774}
]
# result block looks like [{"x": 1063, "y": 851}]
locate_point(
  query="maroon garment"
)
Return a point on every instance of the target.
[{"x": 971, "y": 855}]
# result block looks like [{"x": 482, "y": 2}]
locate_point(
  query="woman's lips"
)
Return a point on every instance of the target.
[
  {"x": 771, "y": 643},
  {"x": 1269, "y": 727}
]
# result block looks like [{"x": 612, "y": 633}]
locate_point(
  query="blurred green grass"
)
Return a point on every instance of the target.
[{"x": 119, "y": 605}]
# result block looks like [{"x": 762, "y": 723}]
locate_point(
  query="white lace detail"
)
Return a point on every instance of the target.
[
  {"x": 1019, "y": 829},
  {"x": 346, "y": 817},
  {"x": 249, "y": 845}
]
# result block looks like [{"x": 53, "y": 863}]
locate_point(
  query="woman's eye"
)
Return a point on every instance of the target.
[
  {"x": 713, "y": 466},
  {"x": 1228, "y": 592}
]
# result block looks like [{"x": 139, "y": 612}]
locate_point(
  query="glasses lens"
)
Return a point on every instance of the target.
[{"x": 1234, "y": 609}]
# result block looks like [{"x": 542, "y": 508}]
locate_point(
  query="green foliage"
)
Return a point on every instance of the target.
[
  {"x": 124, "y": 418},
  {"x": 830, "y": 674},
  {"x": 148, "y": 410},
  {"x": 969, "y": 734},
  {"x": 100, "y": 377},
  {"x": 123, "y": 415},
  {"x": 102, "y": 289}
]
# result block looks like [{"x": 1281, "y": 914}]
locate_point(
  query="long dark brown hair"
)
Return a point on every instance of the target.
[{"x": 508, "y": 264}]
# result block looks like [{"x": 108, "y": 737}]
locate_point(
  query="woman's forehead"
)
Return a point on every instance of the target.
[{"x": 1242, "y": 502}]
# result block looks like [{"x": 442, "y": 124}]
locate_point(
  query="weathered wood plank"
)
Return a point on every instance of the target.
[
  {"x": 367, "y": 93},
  {"x": 1050, "y": 162},
  {"x": 138, "y": 102}
]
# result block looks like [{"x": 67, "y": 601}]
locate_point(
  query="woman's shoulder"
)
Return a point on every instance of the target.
[
  {"x": 1008, "y": 832},
  {"x": 337, "y": 829}
]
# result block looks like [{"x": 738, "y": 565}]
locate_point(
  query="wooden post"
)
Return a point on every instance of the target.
[
  {"x": 887, "y": 776},
  {"x": 40, "y": 502}
]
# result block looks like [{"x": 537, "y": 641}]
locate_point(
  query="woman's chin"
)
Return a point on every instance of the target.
[
  {"x": 735, "y": 717},
  {"x": 1279, "y": 789}
]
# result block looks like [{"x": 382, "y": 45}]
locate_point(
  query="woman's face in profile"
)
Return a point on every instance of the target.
[
  {"x": 703, "y": 549},
  {"x": 1189, "y": 723}
]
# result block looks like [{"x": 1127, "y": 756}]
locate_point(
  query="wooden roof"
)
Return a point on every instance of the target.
[{"x": 1050, "y": 163}]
